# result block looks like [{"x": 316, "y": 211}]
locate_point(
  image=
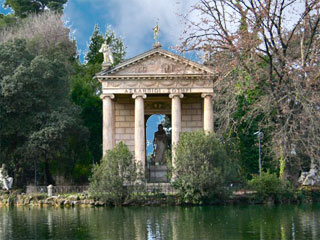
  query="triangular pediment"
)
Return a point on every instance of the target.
[{"x": 157, "y": 62}]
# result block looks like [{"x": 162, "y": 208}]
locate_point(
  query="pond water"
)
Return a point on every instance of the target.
[{"x": 183, "y": 223}]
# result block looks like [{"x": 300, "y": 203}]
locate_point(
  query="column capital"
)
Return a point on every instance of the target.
[
  {"x": 203, "y": 95},
  {"x": 172, "y": 95},
  {"x": 135, "y": 95},
  {"x": 104, "y": 95}
]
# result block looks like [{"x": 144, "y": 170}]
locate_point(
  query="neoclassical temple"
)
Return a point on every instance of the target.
[{"x": 154, "y": 82}]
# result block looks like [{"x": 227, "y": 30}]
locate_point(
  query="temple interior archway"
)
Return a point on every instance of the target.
[{"x": 157, "y": 146}]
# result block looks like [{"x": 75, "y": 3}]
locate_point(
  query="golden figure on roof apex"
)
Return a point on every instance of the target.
[{"x": 156, "y": 31}]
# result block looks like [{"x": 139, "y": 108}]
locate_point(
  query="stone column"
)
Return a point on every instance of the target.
[
  {"x": 175, "y": 121},
  {"x": 139, "y": 131},
  {"x": 107, "y": 123},
  {"x": 208, "y": 112}
]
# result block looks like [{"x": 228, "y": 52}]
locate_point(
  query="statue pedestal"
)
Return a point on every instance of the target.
[
  {"x": 106, "y": 66},
  {"x": 158, "y": 174}
]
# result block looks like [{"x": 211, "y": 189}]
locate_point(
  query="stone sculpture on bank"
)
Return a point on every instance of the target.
[
  {"x": 311, "y": 178},
  {"x": 5, "y": 180}
]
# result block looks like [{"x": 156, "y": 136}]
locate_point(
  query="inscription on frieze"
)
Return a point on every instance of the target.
[{"x": 158, "y": 90}]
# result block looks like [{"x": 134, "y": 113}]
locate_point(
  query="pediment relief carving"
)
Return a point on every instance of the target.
[
  {"x": 165, "y": 83},
  {"x": 158, "y": 64}
]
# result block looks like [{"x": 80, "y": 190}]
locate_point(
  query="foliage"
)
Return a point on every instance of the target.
[
  {"x": 7, "y": 21},
  {"x": 115, "y": 43},
  {"x": 93, "y": 56},
  {"x": 259, "y": 51},
  {"x": 39, "y": 125},
  {"x": 85, "y": 89},
  {"x": 83, "y": 95},
  {"x": 23, "y": 8},
  {"x": 269, "y": 186},
  {"x": 45, "y": 34},
  {"x": 201, "y": 168},
  {"x": 110, "y": 178}
]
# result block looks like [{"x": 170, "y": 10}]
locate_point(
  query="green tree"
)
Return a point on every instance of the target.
[
  {"x": 22, "y": 8},
  {"x": 202, "y": 168},
  {"x": 42, "y": 130},
  {"x": 37, "y": 117},
  {"x": 118, "y": 49},
  {"x": 83, "y": 94},
  {"x": 288, "y": 78},
  {"x": 93, "y": 56},
  {"x": 111, "y": 178},
  {"x": 7, "y": 21},
  {"x": 116, "y": 44},
  {"x": 86, "y": 90}
]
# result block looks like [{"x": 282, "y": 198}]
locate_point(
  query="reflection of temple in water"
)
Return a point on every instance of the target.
[{"x": 144, "y": 223}]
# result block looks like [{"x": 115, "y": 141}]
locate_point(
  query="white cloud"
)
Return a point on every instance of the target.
[
  {"x": 160, "y": 119},
  {"x": 149, "y": 143},
  {"x": 133, "y": 20},
  {"x": 138, "y": 17}
]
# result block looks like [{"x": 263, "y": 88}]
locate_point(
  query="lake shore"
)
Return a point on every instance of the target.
[{"x": 18, "y": 198}]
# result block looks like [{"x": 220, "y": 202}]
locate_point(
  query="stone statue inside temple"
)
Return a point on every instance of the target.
[
  {"x": 5, "y": 180},
  {"x": 160, "y": 144}
]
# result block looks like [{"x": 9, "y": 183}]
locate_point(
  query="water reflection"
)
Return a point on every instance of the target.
[{"x": 144, "y": 223}]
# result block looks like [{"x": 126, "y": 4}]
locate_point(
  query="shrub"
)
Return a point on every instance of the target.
[
  {"x": 111, "y": 179},
  {"x": 202, "y": 168},
  {"x": 269, "y": 186}
]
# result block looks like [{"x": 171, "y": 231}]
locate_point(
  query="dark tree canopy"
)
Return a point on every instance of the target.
[
  {"x": 96, "y": 40},
  {"x": 37, "y": 117},
  {"x": 86, "y": 90},
  {"x": 22, "y": 8}
]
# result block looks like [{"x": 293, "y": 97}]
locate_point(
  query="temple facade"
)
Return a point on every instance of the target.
[{"x": 155, "y": 82}]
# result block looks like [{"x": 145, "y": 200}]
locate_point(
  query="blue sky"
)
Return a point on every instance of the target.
[
  {"x": 151, "y": 128},
  {"x": 133, "y": 20}
]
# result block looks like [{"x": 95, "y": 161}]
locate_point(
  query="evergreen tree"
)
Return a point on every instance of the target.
[
  {"x": 86, "y": 90},
  {"x": 118, "y": 49},
  {"x": 116, "y": 44},
  {"x": 37, "y": 118},
  {"x": 23, "y": 8},
  {"x": 93, "y": 56}
]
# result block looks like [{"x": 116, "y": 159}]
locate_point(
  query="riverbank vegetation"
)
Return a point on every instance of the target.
[
  {"x": 202, "y": 169},
  {"x": 111, "y": 179}
]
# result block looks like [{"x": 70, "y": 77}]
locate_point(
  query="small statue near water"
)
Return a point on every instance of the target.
[
  {"x": 311, "y": 178},
  {"x": 5, "y": 180}
]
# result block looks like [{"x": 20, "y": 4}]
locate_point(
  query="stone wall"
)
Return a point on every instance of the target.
[
  {"x": 191, "y": 114},
  {"x": 191, "y": 117},
  {"x": 124, "y": 122}
]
